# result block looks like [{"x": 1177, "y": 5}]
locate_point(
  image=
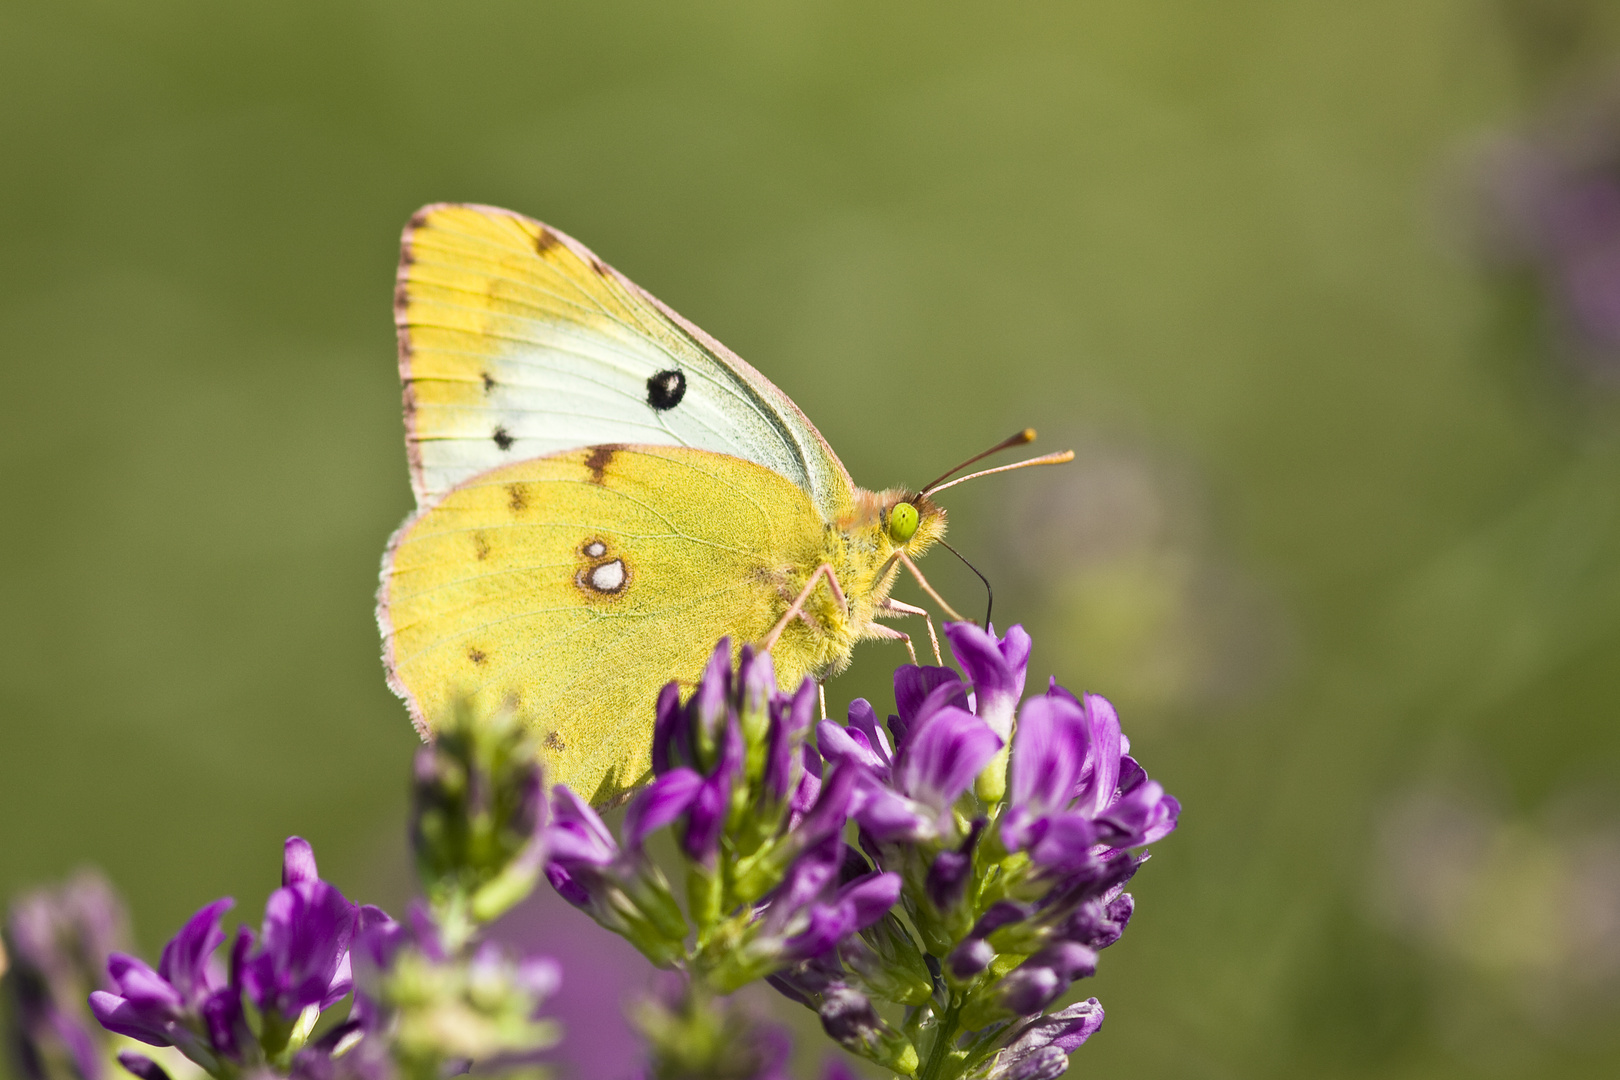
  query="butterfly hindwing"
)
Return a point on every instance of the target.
[
  {"x": 573, "y": 586},
  {"x": 517, "y": 342}
]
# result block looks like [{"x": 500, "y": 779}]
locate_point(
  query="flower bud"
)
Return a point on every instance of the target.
[
  {"x": 478, "y": 808},
  {"x": 850, "y": 1020}
]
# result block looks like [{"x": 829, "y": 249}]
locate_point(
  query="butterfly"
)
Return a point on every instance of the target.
[{"x": 604, "y": 491}]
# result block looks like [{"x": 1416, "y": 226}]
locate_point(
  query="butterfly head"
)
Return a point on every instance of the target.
[{"x": 912, "y": 522}]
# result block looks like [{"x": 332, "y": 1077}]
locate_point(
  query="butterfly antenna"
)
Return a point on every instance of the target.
[
  {"x": 1020, "y": 439},
  {"x": 1045, "y": 459},
  {"x": 989, "y": 593}
]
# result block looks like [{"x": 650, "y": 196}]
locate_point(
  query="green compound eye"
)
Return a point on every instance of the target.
[{"x": 902, "y": 522}]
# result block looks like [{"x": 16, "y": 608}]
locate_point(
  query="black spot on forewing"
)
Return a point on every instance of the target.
[
  {"x": 476, "y": 655},
  {"x": 480, "y": 546},
  {"x": 503, "y": 438},
  {"x": 554, "y": 742},
  {"x": 599, "y": 459},
  {"x": 518, "y": 500},
  {"x": 665, "y": 390},
  {"x": 489, "y": 382}
]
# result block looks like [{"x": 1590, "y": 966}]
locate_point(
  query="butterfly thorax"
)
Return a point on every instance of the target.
[{"x": 862, "y": 555}]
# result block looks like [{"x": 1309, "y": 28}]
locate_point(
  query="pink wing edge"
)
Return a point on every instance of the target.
[{"x": 385, "y": 624}]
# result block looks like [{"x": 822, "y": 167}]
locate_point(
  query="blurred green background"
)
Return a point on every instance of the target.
[{"x": 1342, "y": 542}]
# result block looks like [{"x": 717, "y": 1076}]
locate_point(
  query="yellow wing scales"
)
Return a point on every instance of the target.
[{"x": 556, "y": 585}]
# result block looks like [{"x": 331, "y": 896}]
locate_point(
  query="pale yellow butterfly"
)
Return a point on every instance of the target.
[{"x": 603, "y": 492}]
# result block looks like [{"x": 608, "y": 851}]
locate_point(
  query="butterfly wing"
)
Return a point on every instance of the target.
[
  {"x": 516, "y": 341},
  {"x": 573, "y": 586}
]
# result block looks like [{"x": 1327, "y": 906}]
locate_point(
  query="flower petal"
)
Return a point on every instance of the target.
[
  {"x": 658, "y": 804},
  {"x": 667, "y": 728},
  {"x": 943, "y": 755},
  {"x": 995, "y": 668},
  {"x": 141, "y": 1066},
  {"x": 577, "y": 834},
  {"x": 1049, "y": 752},
  {"x": 1065, "y": 842},
  {"x": 144, "y": 988},
  {"x": 297, "y": 861},
  {"x": 187, "y": 960},
  {"x": 863, "y": 719},
  {"x": 784, "y": 764},
  {"x": 306, "y": 933},
  {"x": 838, "y": 743},
  {"x": 123, "y": 1017},
  {"x": 870, "y": 898},
  {"x": 1047, "y": 1043},
  {"x": 913, "y": 685},
  {"x": 1103, "y": 754}
]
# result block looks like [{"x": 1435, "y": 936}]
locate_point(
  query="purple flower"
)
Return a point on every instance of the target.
[
  {"x": 757, "y": 821},
  {"x": 732, "y": 756},
  {"x": 1037, "y": 982},
  {"x": 141, "y": 1066},
  {"x": 302, "y": 959},
  {"x": 194, "y": 1002},
  {"x": 618, "y": 887},
  {"x": 853, "y": 907},
  {"x": 849, "y": 1019},
  {"x": 1041, "y": 1049},
  {"x": 164, "y": 1007},
  {"x": 948, "y": 876},
  {"x": 913, "y": 798},
  {"x": 1074, "y": 793},
  {"x": 996, "y": 669},
  {"x": 580, "y": 849},
  {"x": 696, "y": 802},
  {"x": 1013, "y": 828}
]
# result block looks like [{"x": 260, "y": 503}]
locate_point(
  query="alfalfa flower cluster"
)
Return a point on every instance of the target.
[{"x": 932, "y": 887}]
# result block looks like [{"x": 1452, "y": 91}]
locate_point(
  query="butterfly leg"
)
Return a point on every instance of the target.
[
  {"x": 797, "y": 607},
  {"x": 821, "y": 692},
  {"x": 927, "y": 588},
  {"x": 888, "y": 633},
  {"x": 891, "y": 606}
]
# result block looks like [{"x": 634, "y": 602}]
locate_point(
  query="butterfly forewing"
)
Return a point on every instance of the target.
[{"x": 517, "y": 342}]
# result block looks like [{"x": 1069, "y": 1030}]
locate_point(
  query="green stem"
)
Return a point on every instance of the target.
[{"x": 943, "y": 1039}]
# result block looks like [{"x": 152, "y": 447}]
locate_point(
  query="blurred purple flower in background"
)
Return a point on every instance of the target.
[
  {"x": 1523, "y": 910},
  {"x": 603, "y": 972},
  {"x": 1552, "y": 199},
  {"x": 57, "y": 942}
]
